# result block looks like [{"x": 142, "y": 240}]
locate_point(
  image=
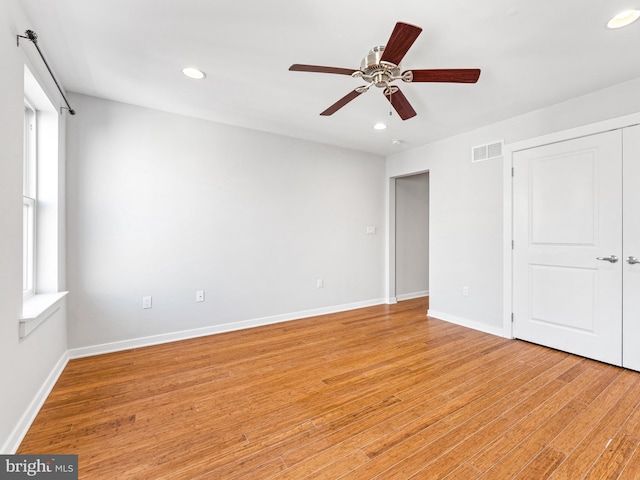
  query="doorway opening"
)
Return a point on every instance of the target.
[{"x": 411, "y": 239}]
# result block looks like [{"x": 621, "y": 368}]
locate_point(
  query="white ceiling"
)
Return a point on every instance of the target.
[{"x": 532, "y": 54}]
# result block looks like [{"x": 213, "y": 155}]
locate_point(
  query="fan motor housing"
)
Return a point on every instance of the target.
[{"x": 375, "y": 71}]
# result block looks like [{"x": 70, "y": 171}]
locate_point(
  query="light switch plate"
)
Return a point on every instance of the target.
[{"x": 146, "y": 302}]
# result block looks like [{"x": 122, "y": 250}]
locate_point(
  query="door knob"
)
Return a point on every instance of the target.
[
  {"x": 632, "y": 260},
  {"x": 610, "y": 258}
]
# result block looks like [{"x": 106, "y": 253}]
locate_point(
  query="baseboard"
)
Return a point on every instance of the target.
[
  {"x": 411, "y": 296},
  {"x": 214, "y": 329},
  {"x": 465, "y": 322},
  {"x": 21, "y": 429},
  {"x": 17, "y": 435}
]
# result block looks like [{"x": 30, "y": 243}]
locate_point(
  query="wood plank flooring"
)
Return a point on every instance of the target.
[{"x": 381, "y": 392}]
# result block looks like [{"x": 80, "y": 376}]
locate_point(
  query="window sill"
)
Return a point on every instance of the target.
[{"x": 37, "y": 309}]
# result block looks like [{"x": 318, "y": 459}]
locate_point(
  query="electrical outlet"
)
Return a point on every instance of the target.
[
  {"x": 319, "y": 283},
  {"x": 200, "y": 296},
  {"x": 146, "y": 302},
  {"x": 465, "y": 291}
]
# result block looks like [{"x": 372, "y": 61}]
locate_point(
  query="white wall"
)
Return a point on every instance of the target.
[
  {"x": 467, "y": 200},
  {"x": 412, "y": 236},
  {"x": 25, "y": 364},
  {"x": 164, "y": 205}
]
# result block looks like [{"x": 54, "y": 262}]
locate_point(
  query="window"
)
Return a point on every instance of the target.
[
  {"x": 29, "y": 202},
  {"x": 42, "y": 208}
]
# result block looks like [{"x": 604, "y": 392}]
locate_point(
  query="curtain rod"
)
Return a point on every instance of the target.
[{"x": 31, "y": 35}]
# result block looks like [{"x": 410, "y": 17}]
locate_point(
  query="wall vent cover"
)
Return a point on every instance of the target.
[{"x": 487, "y": 152}]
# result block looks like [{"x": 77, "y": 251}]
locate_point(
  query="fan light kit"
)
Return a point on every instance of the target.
[
  {"x": 381, "y": 66},
  {"x": 193, "y": 73},
  {"x": 623, "y": 19}
]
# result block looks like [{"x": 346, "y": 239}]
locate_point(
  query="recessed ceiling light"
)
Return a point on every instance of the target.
[
  {"x": 380, "y": 126},
  {"x": 396, "y": 142},
  {"x": 623, "y": 19},
  {"x": 193, "y": 73}
]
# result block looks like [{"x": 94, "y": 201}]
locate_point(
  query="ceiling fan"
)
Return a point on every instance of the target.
[{"x": 382, "y": 66}]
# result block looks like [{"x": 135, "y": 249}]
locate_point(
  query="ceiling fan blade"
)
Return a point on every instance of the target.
[
  {"x": 454, "y": 75},
  {"x": 400, "y": 103},
  {"x": 341, "y": 103},
  {"x": 296, "y": 67},
  {"x": 400, "y": 41}
]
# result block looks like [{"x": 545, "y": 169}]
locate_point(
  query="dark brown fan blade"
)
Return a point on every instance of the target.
[
  {"x": 454, "y": 75},
  {"x": 341, "y": 103},
  {"x": 401, "y": 104},
  {"x": 296, "y": 67},
  {"x": 400, "y": 41}
]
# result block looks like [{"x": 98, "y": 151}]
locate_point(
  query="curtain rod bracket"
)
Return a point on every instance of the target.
[
  {"x": 29, "y": 35},
  {"x": 33, "y": 37}
]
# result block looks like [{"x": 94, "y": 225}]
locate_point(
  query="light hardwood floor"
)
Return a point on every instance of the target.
[{"x": 382, "y": 392}]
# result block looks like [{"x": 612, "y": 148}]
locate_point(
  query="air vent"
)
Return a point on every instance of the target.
[{"x": 487, "y": 152}]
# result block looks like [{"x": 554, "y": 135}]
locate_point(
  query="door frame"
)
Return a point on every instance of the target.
[
  {"x": 423, "y": 248},
  {"x": 390, "y": 260},
  {"x": 509, "y": 150}
]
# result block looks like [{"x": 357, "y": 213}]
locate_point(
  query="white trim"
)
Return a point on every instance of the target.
[
  {"x": 507, "y": 238},
  {"x": 17, "y": 435},
  {"x": 214, "y": 329},
  {"x": 411, "y": 296},
  {"x": 37, "y": 308},
  {"x": 390, "y": 260},
  {"x": 582, "y": 131},
  {"x": 390, "y": 254},
  {"x": 510, "y": 149},
  {"x": 465, "y": 322}
]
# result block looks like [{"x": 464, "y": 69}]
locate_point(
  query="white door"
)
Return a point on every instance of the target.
[
  {"x": 567, "y": 209},
  {"x": 631, "y": 248}
]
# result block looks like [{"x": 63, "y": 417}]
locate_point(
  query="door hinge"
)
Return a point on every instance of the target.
[
  {"x": 513, "y": 244},
  {"x": 511, "y": 317},
  {"x": 512, "y": 172}
]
